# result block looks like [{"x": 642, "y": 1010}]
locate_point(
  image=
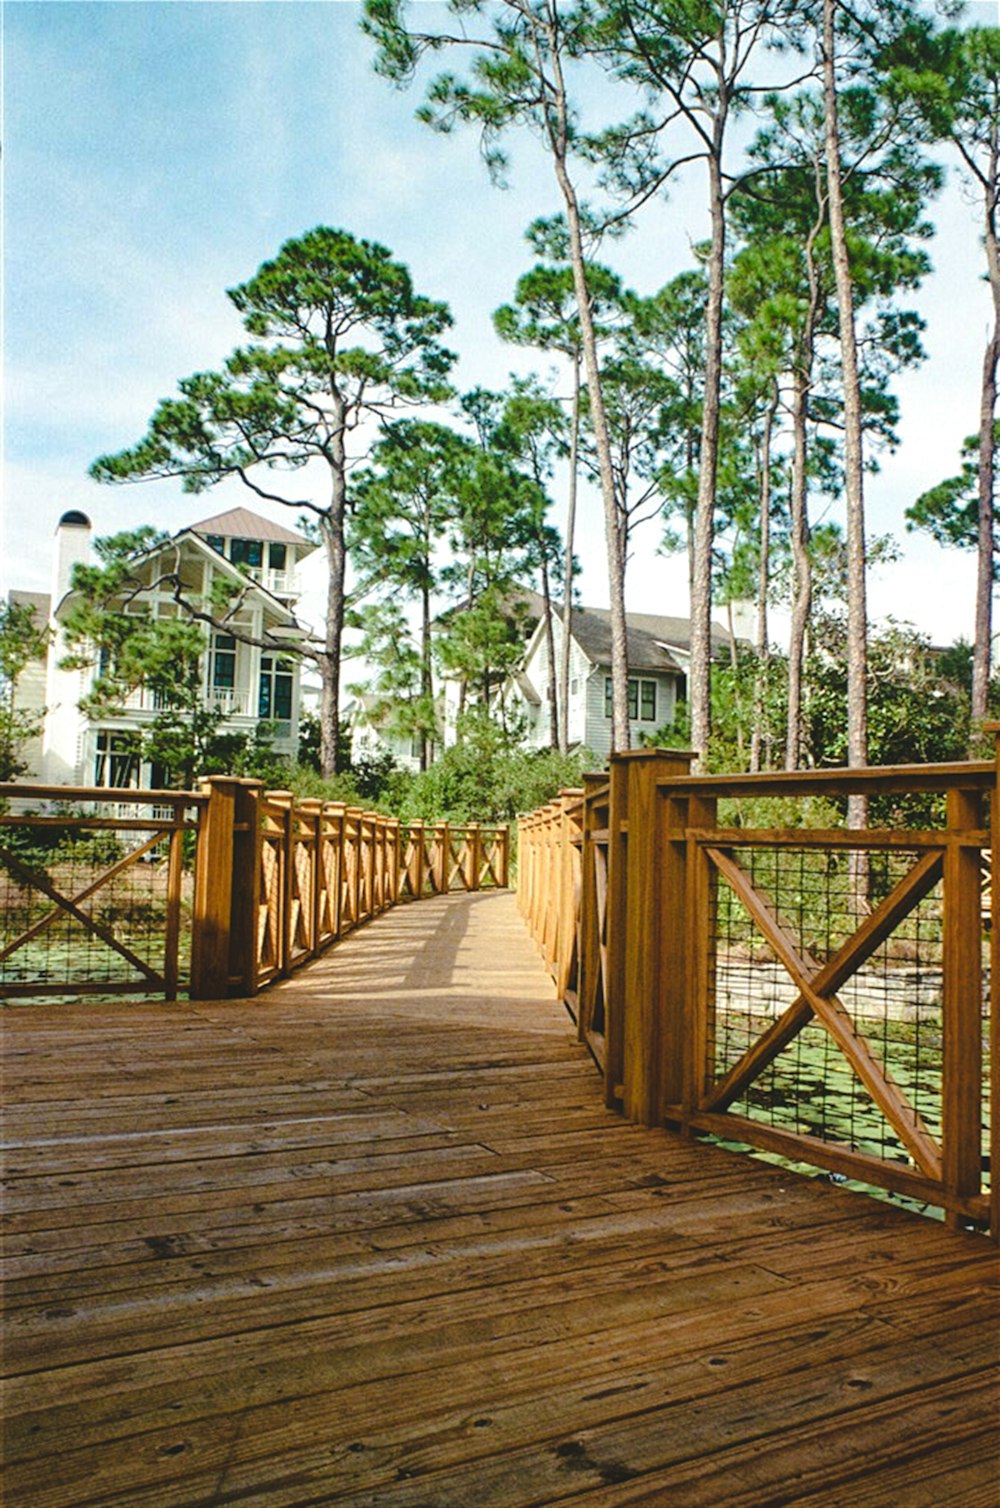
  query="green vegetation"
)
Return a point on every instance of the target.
[{"x": 21, "y": 641}]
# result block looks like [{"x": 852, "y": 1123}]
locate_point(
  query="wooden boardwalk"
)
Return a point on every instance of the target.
[{"x": 372, "y": 1238}]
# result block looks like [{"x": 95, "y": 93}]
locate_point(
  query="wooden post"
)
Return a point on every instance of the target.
[
  {"x": 440, "y": 866},
  {"x": 503, "y": 862},
  {"x": 213, "y": 886},
  {"x": 175, "y": 879},
  {"x": 523, "y": 864},
  {"x": 650, "y": 968},
  {"x": 570, "y": 827},
  {"x": 616, "y": 914},
  {"x": 961, "y": 1097},
  {"x": 357, "y": 838},
  {"x": 418, "y": 855},
  {"x": 284, "y": 801},
  {"x": 311, "y": 810},
  {"x": 334, "y": 811},
  {"x": 393, "y": 859},
  {"x": 590, "y": 1022},
  {"x": 692, "y": 1007},
  {"x": 994, "y": 728},
  {"x": 247, "y": 842},
  {"x": 474, "y": 850}
]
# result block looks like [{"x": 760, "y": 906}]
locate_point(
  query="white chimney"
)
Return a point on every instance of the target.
[{"x": 72, "y": 548}]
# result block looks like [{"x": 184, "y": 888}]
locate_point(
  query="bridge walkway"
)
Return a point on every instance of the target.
[{"x": 372, "y": 1238}]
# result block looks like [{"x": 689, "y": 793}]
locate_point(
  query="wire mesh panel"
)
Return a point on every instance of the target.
[
  {"x": 826, "y": 1002},
  {"x": 893, "y": 1001},
  {"x": 95, "y": 897}
]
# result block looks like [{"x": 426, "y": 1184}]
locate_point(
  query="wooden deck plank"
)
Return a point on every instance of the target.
[{"x": 373, "y": 1238}]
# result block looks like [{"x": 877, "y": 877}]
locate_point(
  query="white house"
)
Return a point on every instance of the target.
[
  {"x": 659, "y": 655},
  {"x": 253, "y": 684},
  {"x": 367, "y": 720}
]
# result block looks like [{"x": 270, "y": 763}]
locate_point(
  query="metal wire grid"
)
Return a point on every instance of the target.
[
  {"x": 69, "y": 859},
  {"x": 894, "y": 1000}
]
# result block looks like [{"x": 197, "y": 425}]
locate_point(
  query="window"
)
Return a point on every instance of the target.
[
  {"x": 276, "y": 556},
  {"x": 641, "y": 699},
  {"x": 275, "y": 699},
  {"x": 248, "y": 552},
  {"x": 224, "y": 661},
  {"x": 216, "y": 542},
  {"x": 116, "y": 762}
]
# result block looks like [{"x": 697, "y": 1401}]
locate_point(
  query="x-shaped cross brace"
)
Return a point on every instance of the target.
[{"x": 817, "y": 986}]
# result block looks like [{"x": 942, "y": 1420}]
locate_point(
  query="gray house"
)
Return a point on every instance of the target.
[{"x": 659, "y": 655}]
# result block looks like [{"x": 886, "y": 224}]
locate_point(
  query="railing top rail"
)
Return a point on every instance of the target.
[
  {"x": 977, "y": 775},
  {"x": 116, "y": 794}
]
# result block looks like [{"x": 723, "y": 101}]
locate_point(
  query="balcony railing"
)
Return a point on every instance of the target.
[
  {"x": 234, "y": 700},
  {"x": 279, "y": 583}
]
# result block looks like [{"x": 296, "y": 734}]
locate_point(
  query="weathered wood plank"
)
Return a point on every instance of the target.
[{"x": 373, "y": 1238}]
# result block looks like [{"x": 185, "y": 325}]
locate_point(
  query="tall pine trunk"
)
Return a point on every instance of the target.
[
  {"x": 801, "y": 568},
  {"x": 550, "y": 652},
  {"x": 699, "y": 690},
  {"x": 857, "y": 612},
  {"x": 567, "y": 614},
  {"x": 761, "y": 652},
  {"x": 332, "y": 530},
  {"x": 987, "y": 461},
  {"x": 559, "y": 141},
  {"x": 426, "y": 669}
]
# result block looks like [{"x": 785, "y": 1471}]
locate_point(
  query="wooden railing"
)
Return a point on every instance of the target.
[
  {"x": 216, "y": 892},
  {"x": 816, "y": 992}
]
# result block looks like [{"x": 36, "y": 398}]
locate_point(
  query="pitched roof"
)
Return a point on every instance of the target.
[
  {"x": 675, "y": 632},
  {"x": 39, "y": 602},
  {"x": 592, "y": 631},
  {"x": 240, "y": 523}
]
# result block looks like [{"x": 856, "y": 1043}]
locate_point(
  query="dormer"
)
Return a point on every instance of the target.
[{"x": 267, "y": 552}]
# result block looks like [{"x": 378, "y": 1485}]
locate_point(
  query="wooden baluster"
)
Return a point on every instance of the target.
[
  {"x": 172, "y": 918},
  {"x": 441, "y": 857},
  {"x": 394, "y": 839},
  {"x": 335, "y": 813},
  {"x": 310, "y": 811},
  {"x": 356, "y": 838},
  {"x": 590, "y": 941},
  {"x": 284, "y": 802},
  {"x": 566, "y": 927},
  {"x": 418, "y": 856},
  {"x": 245, "y": 908},
  {"x": 961, "y": 1099},
  {"x": 994, "y": 728},
  {"x": 503, "y": 863},
  {"x": 474, "y": 850},
  {"x": 691, "y": 1011}
]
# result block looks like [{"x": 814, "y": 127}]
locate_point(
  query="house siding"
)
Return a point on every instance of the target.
[{"x": 598, "y": 726}]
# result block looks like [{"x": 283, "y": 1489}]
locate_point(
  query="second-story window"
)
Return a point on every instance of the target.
[
  {"x": 224, "y": 661},
  {"x": 216, "y": 542},
  {"x": 275, "y": 700},
  {"x": 248, "y": 552},
  {"x": 276, "y": 556}
]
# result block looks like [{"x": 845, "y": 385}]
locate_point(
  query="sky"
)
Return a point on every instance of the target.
[{"x": 156, "y": 153}]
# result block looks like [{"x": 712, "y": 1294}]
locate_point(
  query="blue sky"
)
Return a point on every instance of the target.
[{"x": 156, "y": 153}]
